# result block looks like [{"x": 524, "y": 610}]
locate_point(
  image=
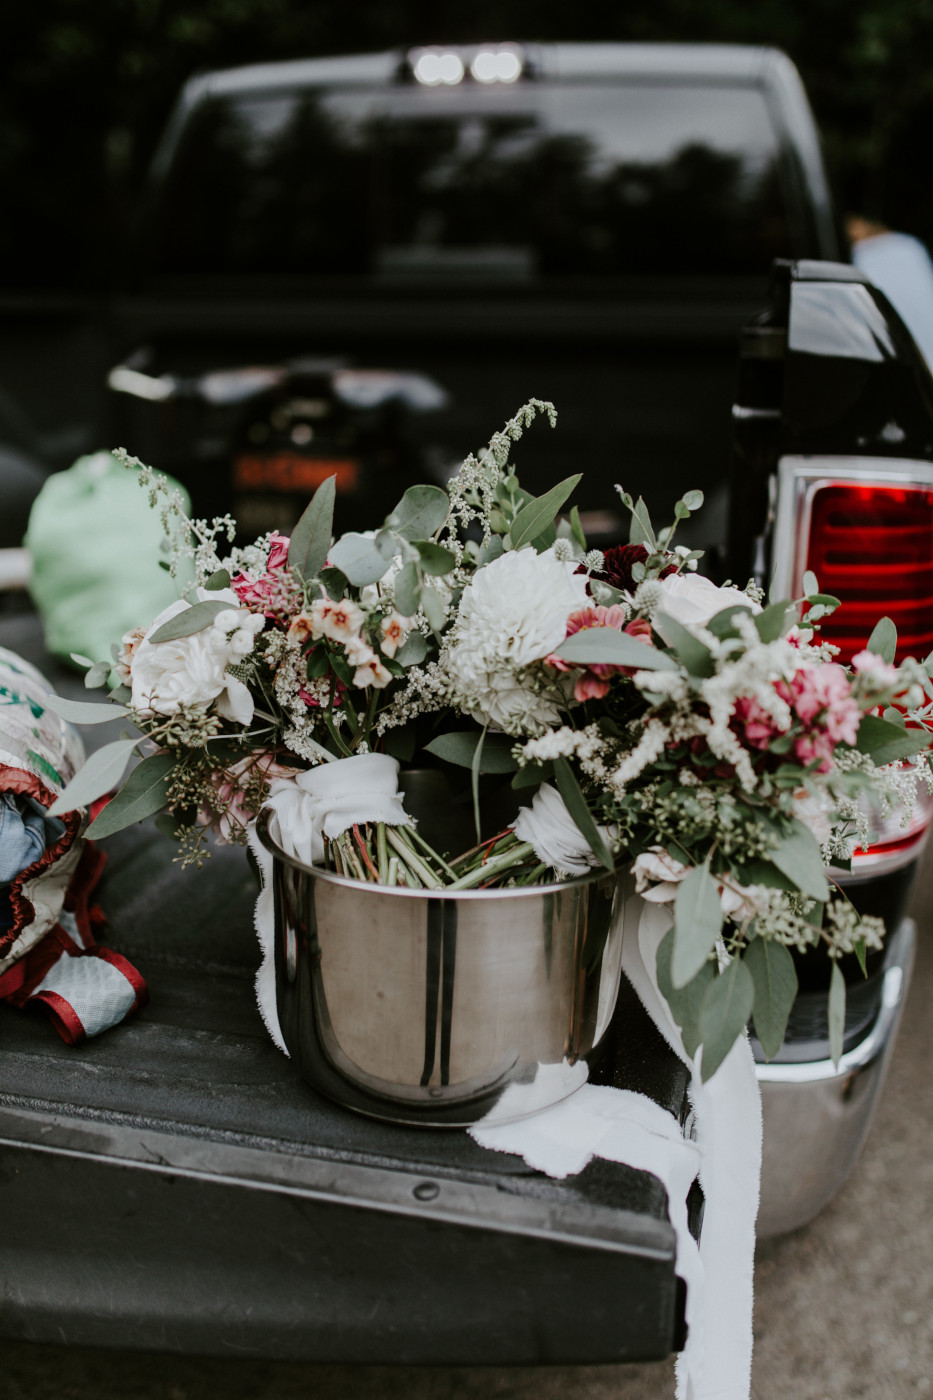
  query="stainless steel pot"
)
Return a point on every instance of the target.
[{"x": 426, "y": 1007}]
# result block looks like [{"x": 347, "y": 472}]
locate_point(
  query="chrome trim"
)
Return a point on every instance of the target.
[{"x": 817, "y": 1115}]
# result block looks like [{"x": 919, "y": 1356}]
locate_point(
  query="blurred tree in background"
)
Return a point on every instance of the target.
[{"x": 86, "y": 87}]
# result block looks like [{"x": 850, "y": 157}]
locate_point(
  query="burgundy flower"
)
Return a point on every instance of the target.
[{"x": 617, "y": 566}]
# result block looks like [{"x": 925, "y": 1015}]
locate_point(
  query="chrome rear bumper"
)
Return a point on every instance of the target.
[{"x": 817, "y": 1115}]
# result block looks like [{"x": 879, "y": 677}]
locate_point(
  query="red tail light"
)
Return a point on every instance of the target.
[{"x": 865, "y": 528}]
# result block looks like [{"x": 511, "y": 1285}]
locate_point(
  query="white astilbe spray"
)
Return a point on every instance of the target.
[{"x": 187, "y": 538}]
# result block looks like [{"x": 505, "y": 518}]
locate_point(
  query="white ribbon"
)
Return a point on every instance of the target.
[
  {"x": 327, "y": 800},
  {"x": 624, "y": 1127},
  {"x": 557, "y": 840}
]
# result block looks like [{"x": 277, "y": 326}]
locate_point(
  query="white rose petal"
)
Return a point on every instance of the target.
[
  {"x": 693, "y": 600},
  {"x": 191, "y": 671}
]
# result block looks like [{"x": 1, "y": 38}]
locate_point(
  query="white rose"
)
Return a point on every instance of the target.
[
  {"x": 657, "y": 875},
  {"x": 192, "y": 670},
  {"x": 693, "y": 599}
]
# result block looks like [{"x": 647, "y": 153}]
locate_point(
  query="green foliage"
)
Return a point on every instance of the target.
[
  {"x": 697, "y": 924},
  {"x": 142, "y": 795},
  {"x": 189, "y": 621},
  {"x": 310, "y": 539},
  {"x": 535, "y": 517},
  {"x": 461, "y": 747}
]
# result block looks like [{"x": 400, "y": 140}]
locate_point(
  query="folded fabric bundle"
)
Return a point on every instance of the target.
[{"x": 48, "y": 872}]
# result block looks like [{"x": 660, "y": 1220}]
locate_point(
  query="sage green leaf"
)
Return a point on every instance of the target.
[
  {"x": 692, "y": 654},
  {"x": 492, "y": 550},
  {"x": 697, "y": 924},
  {"x": 189, "y": 621},
  {"x": 607, "y": 645},
  {"x": 883, "y": 640},
  {"x": 640, "y": 531},
  {"x": 532, "y": 775},
  {"x": 724, "y": 1015},
  {"x": 80, "y": 713},
  {"x": 408, "y": 590},
  {"x": 885, "y": 742},
  {"x": 541, "y": 512},
  {"x": 434, "y": 609},
  {"x": 810, "y": 584},
  {"x": 421, "y": 512},
  {"x": 413, "y": 650},
  {"x": 435, "y": 559},
  {"x": 576, "y": 527},
  {"x": 722, "y": 624},
  {"x": 774, "y": 621},
  {"x": 310, "y": 540},
  {"x": 461, "y": 747},
  {"x": 575, "y": 802},
  {"x": 120, "y": 695},
  {"x": 684, "y": 1002},
  {"x": 693, "y": 500},
  {"x": 103, "y": 771},
  {"x": 837, "y": 1014},
  {"x": 775, "y": 979},
  {"x": 358, "y": 558},
  {"x": 220, "y": 578},
  {"x": 143, "y": 794},
  {"x": 96, "y": 676},
  {"x": 798, "y": 857}
]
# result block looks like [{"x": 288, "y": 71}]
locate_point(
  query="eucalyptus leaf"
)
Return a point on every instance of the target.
[
  {"x": 538, "y": 514},
  {"x": 611, "y": 647},
  {"x": 408, "y": 590},
  {"x": 143, "y": 794},
  {"x": 461, "y": 747},
  {"x": 640, "y": 531},
  {"x": 576, "y": 527},
  {"x": 697, "y": 924},
  {"x": 358, "y": 558},
  {"x": 220, "y": 578},
  {"x": 492, "y": 550},
  {"x": 775, "y": 979},
  {"x": 96, "y": 676},
  {"x": 532, "y": 775},
  {"x": 798, "y": 857},
  {"x": 120, "y": 695},
  {"x": 79, "y": 712},
  {"x": 421, "y": 512},
  {"x": 693, "y": 500},
  {"x": 885, "y": 742},
  {"x": 697, "y": 658},
  {"x": 434, "y": 609},
  {"x": 435, "y": 559},
  {"x": 883, "y": 640},
  {"x": 837, "y": 1014},
  {"x": 576, "y": 805},
  {"x": 101, "y": 772},
  {"x": 774, "y": 621},
  {"x": 413, "y": 650},
  {"x": 810, "y": 585},
  {"x": 310, "y": 540},
  {"x": 189, "y": 621},
  {"x": 684, "y": 1002},
  {"x": 724, "y": 1015}
]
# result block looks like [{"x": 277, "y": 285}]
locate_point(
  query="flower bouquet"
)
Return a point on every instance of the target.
[{"x": 647, "y": 719}]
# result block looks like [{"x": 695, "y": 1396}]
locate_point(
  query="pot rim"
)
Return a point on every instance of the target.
[{"x": 445, "y": 892}]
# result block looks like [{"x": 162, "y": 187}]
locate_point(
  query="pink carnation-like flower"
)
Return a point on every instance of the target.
[
  {"x": 757, "y": 727},
  {"x": 868, "y": 663},
  {"x": 821, "y": 699},
  {"x": 275, "y": 593},
  {"x": 594, "y": 682}
]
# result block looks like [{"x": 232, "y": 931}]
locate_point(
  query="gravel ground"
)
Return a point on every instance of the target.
[{"x": 844, "y": 1307}]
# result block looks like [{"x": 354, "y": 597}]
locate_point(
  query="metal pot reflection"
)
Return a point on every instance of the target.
[{"x": 424, "y": 1006}]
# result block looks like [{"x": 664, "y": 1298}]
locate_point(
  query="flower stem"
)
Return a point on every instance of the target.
[
  {"x": 496, "y": 865},
  {"x": 413, "y": 862},
  {"x": 383, "y": 854}
]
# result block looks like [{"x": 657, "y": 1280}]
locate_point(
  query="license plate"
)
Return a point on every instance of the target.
[{"x": 290, "y": 471}]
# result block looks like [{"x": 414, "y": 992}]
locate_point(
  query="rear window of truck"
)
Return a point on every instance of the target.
[{"x": 517, "y": 184}]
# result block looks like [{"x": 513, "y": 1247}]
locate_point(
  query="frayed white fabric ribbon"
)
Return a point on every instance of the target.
[
  {"x": 319, "y": 802},
  {"x": 555, "y": 836},
  {"x": 625, "y": 1127},
  {"x": 328, "y": 799}
]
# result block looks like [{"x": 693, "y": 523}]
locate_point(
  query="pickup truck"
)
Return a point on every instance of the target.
[{"x": 353, "y": 266}]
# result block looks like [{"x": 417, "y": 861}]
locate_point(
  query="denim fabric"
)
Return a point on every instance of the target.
[{"x": 25, "y": 831}]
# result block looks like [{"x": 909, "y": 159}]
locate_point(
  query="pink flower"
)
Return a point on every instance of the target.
[
  {"x": 593, "y": 684},
  {"x": 231, "y": 784},
  {"x": 275, "y": 593},
  {"x": 394, "y": 632},
  {"x": 868, "y": 663},
  {"x": 758, "y": 727}
]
